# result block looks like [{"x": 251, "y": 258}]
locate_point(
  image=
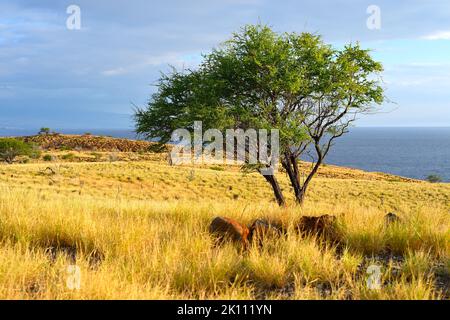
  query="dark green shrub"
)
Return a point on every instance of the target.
[
  {"x": 433, "y": 178},
  {"x": 47, "y": 157},
  {"x": 11, "y": 148}
]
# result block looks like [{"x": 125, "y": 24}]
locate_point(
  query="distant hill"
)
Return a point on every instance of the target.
[{"x": 88, "y": 143}]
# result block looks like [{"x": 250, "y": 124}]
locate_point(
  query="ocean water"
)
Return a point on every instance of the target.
[{"x": 409, "y": 152}]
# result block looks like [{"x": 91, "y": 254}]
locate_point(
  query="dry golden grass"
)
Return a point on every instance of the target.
[{"x": 139, "y": 230}]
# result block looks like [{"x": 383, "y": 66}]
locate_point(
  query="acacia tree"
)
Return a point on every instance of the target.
[
  {"x": 44, "y": 130},
  {"x": 259, "y": 79}
]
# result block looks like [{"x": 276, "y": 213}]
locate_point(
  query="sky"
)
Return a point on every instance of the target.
[{"x": 63, "y": 77}]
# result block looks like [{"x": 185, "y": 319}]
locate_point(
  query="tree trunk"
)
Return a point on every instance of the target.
[
  {"x": 276, "y": 189},
  {"x": 301, "y": 196},
  {"x": 305, "y": 185},
  {"x": 290, "y": 165}
]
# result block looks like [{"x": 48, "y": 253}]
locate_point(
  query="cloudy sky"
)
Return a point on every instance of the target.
[{"x": 90, "y": 78}]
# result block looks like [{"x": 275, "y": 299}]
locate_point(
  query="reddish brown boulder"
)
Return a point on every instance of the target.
[
  {"x": 223, "y": 229},
  {"x": 323, "y": 227}
]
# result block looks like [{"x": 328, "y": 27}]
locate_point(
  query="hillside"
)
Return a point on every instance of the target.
[
  {"x": 87, "y": 142},
  {"x": 89, "y": 148},
  {"x": 137, "y": 228}
]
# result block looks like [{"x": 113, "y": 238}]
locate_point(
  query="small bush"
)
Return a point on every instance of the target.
[
  {"x": 47, "y": 157},
  {"x": 434, "y": 178},
  {"x": 11, "y": 148},
  {"x": 35, "y": 153}
]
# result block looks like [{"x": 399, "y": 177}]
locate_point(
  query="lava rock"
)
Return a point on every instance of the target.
[
  {"x": 323, "y": 227},
  {"x": 227, "y": 229}
]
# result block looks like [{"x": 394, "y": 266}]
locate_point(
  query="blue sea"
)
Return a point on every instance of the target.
[{"x": 409, "y": 152}]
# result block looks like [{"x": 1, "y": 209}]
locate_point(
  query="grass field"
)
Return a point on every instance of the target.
[{"x": 139, "y": 230}]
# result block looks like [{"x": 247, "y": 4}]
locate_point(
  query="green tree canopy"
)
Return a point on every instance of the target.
[
  {"x": 11, "y": 148},
  {"x": 293, "y": 82}
]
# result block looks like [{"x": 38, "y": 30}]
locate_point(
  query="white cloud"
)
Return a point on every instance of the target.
[
  {"x": 178, "y": 60},
  {"x": 438, "y": 35},
  {"x": 430, "y": 82},
  {"x": 427, "y": 64},
  {"x": 114, "y": 72}
]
